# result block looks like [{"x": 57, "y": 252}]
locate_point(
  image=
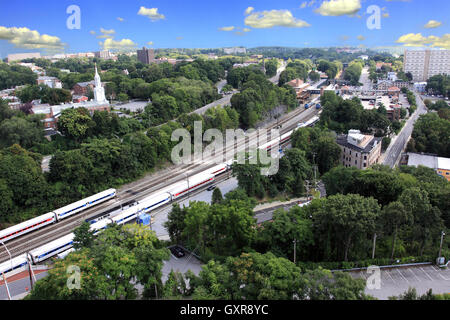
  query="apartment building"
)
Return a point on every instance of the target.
[
  {"x": 423, "y": 64},
  {"x": 146, "y": 56},
  {"x": 359, "y": 150}
]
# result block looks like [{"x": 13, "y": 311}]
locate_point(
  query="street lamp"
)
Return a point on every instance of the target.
[
  {"x": 4, "y": 277},
  {"x": 442, "y": 240}
]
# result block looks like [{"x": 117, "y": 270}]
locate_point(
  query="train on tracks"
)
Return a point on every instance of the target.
[{"x": 160, "y": 198}]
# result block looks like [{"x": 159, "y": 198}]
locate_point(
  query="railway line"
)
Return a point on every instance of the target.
[{"x": 140, "y": 190}]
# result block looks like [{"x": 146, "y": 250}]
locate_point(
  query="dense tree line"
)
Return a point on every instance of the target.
[
  {"x": 330, "y": 68},
  {"x": 353, "y": 72},
  {"x": 15, "y": 75},
  {"x": 310, "y": 53},
  {"x": 431, "y": 134},
  {"x": 342, "y": 115},
  {"x": 297, "y": 69},
  {"x": 111, "y": 265},
  {"x": 439, "y": 84},
  {"x": 258, "y": 96},
  {"x": 45, "y": 94}
]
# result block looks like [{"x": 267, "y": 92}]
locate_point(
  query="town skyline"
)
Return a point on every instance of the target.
[{"x": 157, "y": 24}]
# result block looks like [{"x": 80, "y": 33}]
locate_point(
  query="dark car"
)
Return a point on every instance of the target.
[
  {"x": 211, "y": 188},
  {"x": 177, "y": 252}
]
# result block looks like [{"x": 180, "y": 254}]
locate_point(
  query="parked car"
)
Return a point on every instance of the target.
[
  {"x": 177, "y": 252},
  {"x": 211, "y": 188}
]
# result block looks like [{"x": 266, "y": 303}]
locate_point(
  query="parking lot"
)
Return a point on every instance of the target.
[
  {"x": 183, "y": 264},
  {"x": 396, "y": 281}
]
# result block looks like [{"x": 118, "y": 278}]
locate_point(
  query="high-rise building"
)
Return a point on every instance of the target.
[
  {"x": 105, "y": 54},
  {"x": 146, "y": 56},
  {"x": 423, "y": 64}
]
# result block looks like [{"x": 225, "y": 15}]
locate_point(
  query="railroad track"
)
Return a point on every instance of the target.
[{"x": 135, "y": 192}]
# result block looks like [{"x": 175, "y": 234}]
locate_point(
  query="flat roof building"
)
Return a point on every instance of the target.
[
  {"x": 423, "y": 64},
  {"x": 439, "y": 164}
]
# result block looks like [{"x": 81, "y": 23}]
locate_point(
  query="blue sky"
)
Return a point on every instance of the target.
[{"x": 196, "y": 24}]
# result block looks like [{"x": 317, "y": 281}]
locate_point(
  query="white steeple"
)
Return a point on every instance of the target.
[{"x": 99, "y": 91}]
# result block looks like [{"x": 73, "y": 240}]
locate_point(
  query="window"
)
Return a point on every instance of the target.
[{"x": 365, "y": 157}]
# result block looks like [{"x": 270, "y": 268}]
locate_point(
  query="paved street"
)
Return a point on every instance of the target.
[
  {"x": 396, "y": 281},
  {"x": 364, "y": 79},
  {"x": 394, "y": 151}
]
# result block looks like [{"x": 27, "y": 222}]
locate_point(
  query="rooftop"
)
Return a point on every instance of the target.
[
  {"x": 427, "y": 160},
  {"x": 367, "y": 145}
]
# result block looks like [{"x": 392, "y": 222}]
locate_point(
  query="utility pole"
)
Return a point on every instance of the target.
[
  {"x": 6, "y": 285},
  {"x": 4, "y": 277},
  {"x": 442, "y": 240}
]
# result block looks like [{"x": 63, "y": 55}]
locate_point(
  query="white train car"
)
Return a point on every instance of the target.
[
  {"x": 126, "y": 216},
  {"x": 64, "y": 254},
  {"x": 218, "y": 170},
  {"x": 312, "y": 121},
  {"x": 284, "y": 138},
  {"x": 154, "y": 201},
  {"x": 52, "y": 248},
  {"x": 99, "y": 226},
  {"x": 17, "y": 262},
  {"x": 27, "y": 226},
  {"x": 199, "y": 180},
  {"x": 84, "y": 204}
]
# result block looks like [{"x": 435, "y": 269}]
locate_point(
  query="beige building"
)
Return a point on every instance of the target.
[
  {"x": 423, "y": 64},
  {"x": 359, "y": 150},
  {"x": 22, "y": 56}
]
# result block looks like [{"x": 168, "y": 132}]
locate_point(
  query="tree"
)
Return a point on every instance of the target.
[
  {"x": 217, "y": 196},
  {"x": 427, "y": 219},
  {"x": 84, "y": 238},
  {"x": 93, "y": 284},
  {"x": 341, "y": 221},
  {"x": 20, "y": 131},
  {"x": 395, "y": 216},
  {"x": 175, "y": 224},
  {"x": 75, "y": 123},
  {"x": 277, "y": 236}
]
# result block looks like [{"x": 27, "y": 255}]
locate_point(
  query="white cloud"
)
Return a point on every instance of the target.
[
  {"x": 150, "y": 43},
  {"x": 231, "y": 28},
  {"x": 249, "y": 10},
  {"x": 151, "y": 13},
  {"x": 432, "y": 24},
  {"x": 106, "y": 34},
  {"x": 180, "y": 38},
  {"x": 361, "y": 38},
  {"x": 418, "y": 40},
  {"x": 246, "y": 30},
  {"x": 92, "y": 32},
  {"x": 30, "y": 39},
  {"x": 274, "y": 18},
  {"x": 303, "y": 5},
  {"x": 344, "y": 38},
  {"x": 121, "y": 19},
  {"x": 122, "y": 45},
  {"x": 386, "y": 15},
  {"x": 339, "y": 7}
]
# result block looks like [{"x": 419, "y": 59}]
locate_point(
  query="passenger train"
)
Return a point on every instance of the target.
[
  {"x": 164, "y": 196},
  {"x": 55, "y": 216}
]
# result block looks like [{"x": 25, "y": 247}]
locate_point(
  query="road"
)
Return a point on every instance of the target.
[
  {"x": 364, "y": 79},
  {"x": 395, "y": 149}
]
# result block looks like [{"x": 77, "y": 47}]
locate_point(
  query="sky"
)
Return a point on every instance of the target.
[{"x": 31, "y": 26}]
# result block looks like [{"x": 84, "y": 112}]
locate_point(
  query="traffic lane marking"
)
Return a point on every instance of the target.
[{"x": 426, "y": 274}]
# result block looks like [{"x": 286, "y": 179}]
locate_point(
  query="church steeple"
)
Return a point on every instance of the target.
[{"x": 99, "y": 91}]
